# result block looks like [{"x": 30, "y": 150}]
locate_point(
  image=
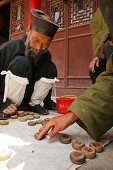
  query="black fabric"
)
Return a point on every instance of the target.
[
  {"x": 21, "y": 67},
  {"x": 41, "y": 25},
  {"x": 8, "y": 51},
  {"x": 12, "y": 55},
  {"x": 47, "y": 70},
  {"x": 2, "y": 107},
  {"x": 38, "y": 109},
  {"x": 48, "y": 103},
  {"x": 106, "y": 7},
  {"x": 98, "y": 71},
  {"x": 107, "y": 50},
  {"x": 4, "y": 116}
]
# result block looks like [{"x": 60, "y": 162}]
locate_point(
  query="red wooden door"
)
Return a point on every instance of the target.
[{"x": 71, "y": 47}]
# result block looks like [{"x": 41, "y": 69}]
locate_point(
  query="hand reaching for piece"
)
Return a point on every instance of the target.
[{"x": 56, "y": 125}]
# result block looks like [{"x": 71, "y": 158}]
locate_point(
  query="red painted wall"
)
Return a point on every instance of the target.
[{"x": 33, "y": 4}]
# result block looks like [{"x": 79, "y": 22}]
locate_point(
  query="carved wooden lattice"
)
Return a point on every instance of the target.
[
  {"x": 80, "y": 11},
  {"x": 57, "y": 11},
  {"x": 18, "y": 7}
]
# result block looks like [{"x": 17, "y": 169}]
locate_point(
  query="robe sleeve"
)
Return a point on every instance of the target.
[
  {"x": 95, "y": 107},
  {"x": 4, "y": 58},
  {"x": 99, "y": 30},
  {"x": 8, "y": 51}
]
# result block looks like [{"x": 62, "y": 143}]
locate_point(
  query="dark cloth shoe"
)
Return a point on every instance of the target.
[
  {"x": 50, "y": 105},
  {"x": 38, "y": 109},
  {"x": 4, "y": 116},
  {"x": 23, "y": 108}
]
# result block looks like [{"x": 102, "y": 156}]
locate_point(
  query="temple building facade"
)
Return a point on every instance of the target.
[{"x": 71, "y": 48}]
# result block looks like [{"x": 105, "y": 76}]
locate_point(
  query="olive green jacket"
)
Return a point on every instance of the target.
[
  {"x": 99, "y": 30},
  {"x": 95, "y": 107}
]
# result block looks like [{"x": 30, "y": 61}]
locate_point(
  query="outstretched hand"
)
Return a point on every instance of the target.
[
  {"x": 93, "y": 63},
  {"x": 11, "y": 109},
  {"x": 56, "y": 125}
]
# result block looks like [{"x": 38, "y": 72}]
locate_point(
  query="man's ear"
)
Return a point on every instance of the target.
[{"x": 27, "y": 30}]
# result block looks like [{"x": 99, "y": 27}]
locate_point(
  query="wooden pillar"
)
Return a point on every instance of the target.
[{"x": 35, "y": 4}]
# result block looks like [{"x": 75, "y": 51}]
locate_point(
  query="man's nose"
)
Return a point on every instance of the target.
[{"x": 40, "y": 46}]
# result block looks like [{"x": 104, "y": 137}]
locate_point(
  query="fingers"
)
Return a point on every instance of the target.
[
  {"x": 52, "y": 134},
  {"x": 10, "y": 109},
  {"x": 14, "y": 107},
  {"x": 92, "y": 68},
  {"x": 56, "y": 125},
  {"x": 44, "y": 129},
  {"x": 97, "y": 63},
  {"x": 92, "y": 64}
]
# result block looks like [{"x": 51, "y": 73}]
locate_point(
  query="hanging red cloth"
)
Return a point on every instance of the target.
[{"x": 33, "y": 4}]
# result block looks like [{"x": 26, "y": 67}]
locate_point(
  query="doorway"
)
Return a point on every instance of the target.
[
  {"x": 71, "y": 47},
  {"x": 4, "y": 23}
]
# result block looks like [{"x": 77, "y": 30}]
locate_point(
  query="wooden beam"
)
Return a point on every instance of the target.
[{"x": 3, "y": 2}]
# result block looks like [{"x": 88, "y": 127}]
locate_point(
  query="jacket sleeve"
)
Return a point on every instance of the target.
[
  {"x": 95, "y": 107},
  {"x": 99, "y": 30}
]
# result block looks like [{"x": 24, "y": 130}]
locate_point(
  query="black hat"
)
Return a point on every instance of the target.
[
  {"x": 106, "y": 7},
  {"x": 41, "y": 25}
]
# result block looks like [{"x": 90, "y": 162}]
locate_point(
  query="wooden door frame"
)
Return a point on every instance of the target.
[{"x": 64, "y": 87}]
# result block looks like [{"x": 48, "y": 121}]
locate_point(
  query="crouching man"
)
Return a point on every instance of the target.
[{"x": 27, "y": 72}]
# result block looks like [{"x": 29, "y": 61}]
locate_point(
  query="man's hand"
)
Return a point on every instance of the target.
[
  {"x": 92, "y": 64},
  {"x": 56, "y": 125},
  {"x": 11, "y": 109}
]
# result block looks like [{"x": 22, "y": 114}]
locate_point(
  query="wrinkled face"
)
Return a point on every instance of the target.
[
  {"x": 39, "y": 42},
  {"x": 36, "y": 44}
]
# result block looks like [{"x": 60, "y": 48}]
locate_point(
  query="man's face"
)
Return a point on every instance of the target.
[{"x": 36, "y": 44}]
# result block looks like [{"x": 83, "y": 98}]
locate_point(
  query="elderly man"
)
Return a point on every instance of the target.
[
  {"x": 27, "y": 72},
  {"x": 93, "y": 110}
]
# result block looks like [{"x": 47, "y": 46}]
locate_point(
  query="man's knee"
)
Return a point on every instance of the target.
[
  {"x": 20, "y": 66},
  {"x": 50, "y": 71},
  {"x": 47, "y": 70}
]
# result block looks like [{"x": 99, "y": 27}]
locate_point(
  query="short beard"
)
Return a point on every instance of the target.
[{"x": 33, "y": 56}]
